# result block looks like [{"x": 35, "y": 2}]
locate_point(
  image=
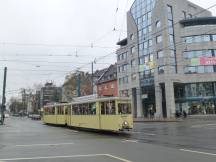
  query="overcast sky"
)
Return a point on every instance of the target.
[{"x": 42, "y": 40}]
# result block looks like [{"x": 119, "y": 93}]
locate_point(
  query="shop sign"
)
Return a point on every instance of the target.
[
  {"x": 208, "y": 61},
  {"x": 203, "y": 61}
]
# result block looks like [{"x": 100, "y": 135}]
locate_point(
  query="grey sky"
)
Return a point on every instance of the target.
[{"x": 76, "y": 23}]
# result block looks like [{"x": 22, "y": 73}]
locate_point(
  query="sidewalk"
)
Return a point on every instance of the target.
[
  {"x": 190, "y": 117},
  {"x": 157, "y": 120}
]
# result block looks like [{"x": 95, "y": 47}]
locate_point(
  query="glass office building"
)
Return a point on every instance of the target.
[{"x": 167, "y": 63}]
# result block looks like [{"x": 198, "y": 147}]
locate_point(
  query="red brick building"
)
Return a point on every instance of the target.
[{"x": 107, "y": 84}]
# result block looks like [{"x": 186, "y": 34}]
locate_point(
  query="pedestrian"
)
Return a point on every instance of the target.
[
  {"x": 3, "y": 118},
  {"x": 184, "y": 114}
]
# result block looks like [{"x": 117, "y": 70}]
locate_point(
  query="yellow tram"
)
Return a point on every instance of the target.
[{"x": 110, "y": 114}]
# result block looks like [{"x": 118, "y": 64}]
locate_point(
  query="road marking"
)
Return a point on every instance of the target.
[
  {"x": 56, "y": 144},
  {"x": 202, "y": 125},
  {"x": 134, "y": 141},
  {"x": 118, "y": 158},
  {"x": 148, "y": 134},
  {"x": 198, "y": 152},
  {"x": 70, "y": 156}
]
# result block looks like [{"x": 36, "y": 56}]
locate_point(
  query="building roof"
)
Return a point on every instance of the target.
[
  {"x": 99, "y": 73},
  {"x": 109, "y": 75},
  {"x": 199, "y": 21},
  {"x": 122, "y": 42}
]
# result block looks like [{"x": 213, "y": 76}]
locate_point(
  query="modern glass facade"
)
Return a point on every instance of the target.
[
  {"x": 193, "y": 66},
  {"x": 196, "y": 98},
  {"x": 141, "y": 11}
]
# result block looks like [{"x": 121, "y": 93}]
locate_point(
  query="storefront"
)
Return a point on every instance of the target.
[
  {"x": 196, "y": 99},
  {"x": 148, "y": 101}
]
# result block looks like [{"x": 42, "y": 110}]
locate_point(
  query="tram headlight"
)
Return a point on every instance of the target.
[{"x": 125, "y": 123}]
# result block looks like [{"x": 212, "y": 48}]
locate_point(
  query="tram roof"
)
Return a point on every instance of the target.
[{"x": 89, "y": 101}]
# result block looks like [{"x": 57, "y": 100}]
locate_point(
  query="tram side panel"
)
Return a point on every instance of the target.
[
  {"x": 82, "y": 119},
  {"x": 49, "y": 116}
]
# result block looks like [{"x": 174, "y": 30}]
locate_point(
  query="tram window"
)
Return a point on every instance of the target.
[
  {"x": 124, "y": 108},
  {"x": 51, "y": 110},
  {"x": 46, "y": 111},
  {"x": 102, "y": 108},
  {"x": 66, "y": 110},
  {"x": 108, "y": 108},
  {"x": 60, "y": 110},
  {"x": 92, "y": 108},
  {"x": 75, "y": 110}
]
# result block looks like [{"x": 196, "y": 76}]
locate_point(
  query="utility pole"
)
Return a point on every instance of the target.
[
  {"x": 92, "y": 77},
  {"x": 3, "y": 96}
]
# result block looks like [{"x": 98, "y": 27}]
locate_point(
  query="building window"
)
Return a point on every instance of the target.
[
  {"x": 122, "y": 56},
  {"x": 133, "y": 77},
  {"x": 125, "y": 80},
  {"x": 141, "y": 60},
  {"x": 105, "y": 87},
  {"x": 131, "y": 37},
  {"x": 120, "y": 81},
  {"x": 159, "y": 39},
  {"x": 132, "y": 50},
  {"x": 133, "y": 63},
  {"x": 198, "y": 39},
  {"x": 158, "y": 24},
  {"x": 160, "y": 54},
  {"x": 170, "y": 13},
  {"x": 100, "y": 88},
  {"x": 151, "y": 57},
  {"x": 161, "y": 70},
  {"x": 189, "y": 40},
  {"x": 184, "y": 15},
  {"x": 112, "y": 85},
  {"x": 214, "y": 37},
  {"x": 150, "y": 43}
]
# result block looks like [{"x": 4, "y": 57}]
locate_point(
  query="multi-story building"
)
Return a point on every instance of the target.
[
  {"x": 167, "y": 63},
  {"x": 50, "y": 94},
  {"x": 107, "y": 84}
]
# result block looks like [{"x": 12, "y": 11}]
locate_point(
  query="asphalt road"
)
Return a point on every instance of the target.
[{"x": 24, "y": 140}]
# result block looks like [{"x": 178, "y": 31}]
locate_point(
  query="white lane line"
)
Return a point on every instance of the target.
[
  {"x": 55, "y": 144},
  {"x": 148, "y": 134},
  {"x": 198, "y": 152},
  {"x": 118, "y": 158},
  {"x": 134, "y": 141},
  {"x": 70, "y": 156},
  {"x": 202, "y": 125}
]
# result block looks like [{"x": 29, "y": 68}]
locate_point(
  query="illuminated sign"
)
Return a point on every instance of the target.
[{"x": 206, "y": 61}]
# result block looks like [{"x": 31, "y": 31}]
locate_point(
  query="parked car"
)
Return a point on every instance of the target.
[{"x": 36, "y": 117}]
